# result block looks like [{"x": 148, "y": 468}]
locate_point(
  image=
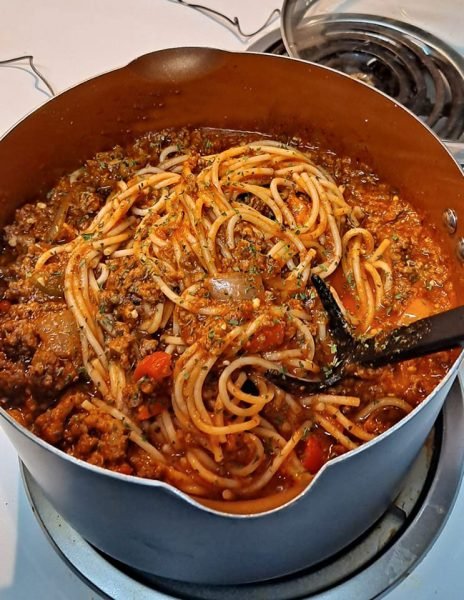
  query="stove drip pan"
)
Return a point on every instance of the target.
[
  {"x": 414, "y": 67},
  {"x": 373, "y": 564}
]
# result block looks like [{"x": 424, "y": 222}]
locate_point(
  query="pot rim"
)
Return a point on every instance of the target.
[
  {"x": 274, "y": 57},
  {"x": 153, "y": 483}
]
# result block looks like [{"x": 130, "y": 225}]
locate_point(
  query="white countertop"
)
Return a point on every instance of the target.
[{"x": 72, "y": 41}]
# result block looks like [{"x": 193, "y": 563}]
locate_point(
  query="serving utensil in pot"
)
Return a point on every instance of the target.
[{"x": 424, "y": 336}]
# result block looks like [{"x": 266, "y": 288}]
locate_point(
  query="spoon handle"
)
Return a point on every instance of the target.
[{"x": 432, "y": 334}]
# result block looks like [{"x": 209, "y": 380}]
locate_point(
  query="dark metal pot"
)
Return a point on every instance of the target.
[{"x": 148, "y": 524}]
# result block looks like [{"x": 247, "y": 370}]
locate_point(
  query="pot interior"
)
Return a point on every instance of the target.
[{"x": 250, "y": 92}]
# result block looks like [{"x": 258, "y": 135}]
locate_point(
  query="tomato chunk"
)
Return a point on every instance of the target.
[
  {"x": 267, "y": 338},
  {"x": 157, "y": 366},
  {"x": 143, "y": 413},
  {"x": 313, "y": 454}
]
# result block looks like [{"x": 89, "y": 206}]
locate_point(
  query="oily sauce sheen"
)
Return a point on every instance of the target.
[{"x": 135, "y": 408}]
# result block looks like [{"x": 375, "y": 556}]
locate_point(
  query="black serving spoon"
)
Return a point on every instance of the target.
[{"x": 432, "y": 334}]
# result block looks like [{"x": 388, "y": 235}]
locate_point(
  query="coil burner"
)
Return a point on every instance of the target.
[{"x": 417, "y": 69}]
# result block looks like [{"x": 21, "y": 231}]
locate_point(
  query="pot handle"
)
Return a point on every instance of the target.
[{"x": 457, "y": 150}]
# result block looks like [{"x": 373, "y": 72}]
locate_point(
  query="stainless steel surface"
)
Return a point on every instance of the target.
[
  {"x": 371, "y": 567},
  {"x": 450, "y": 219},
  {"x": 164, "y": 87},
  {"x": 272, "y": 43},
  {"x": 457, "y": 150},
  {"x": 411, "y": 65}
]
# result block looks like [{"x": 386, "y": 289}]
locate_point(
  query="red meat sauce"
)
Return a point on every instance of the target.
[{"x": 42, "y": 379}]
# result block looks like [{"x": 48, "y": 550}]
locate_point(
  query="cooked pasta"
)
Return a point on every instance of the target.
[{"x": 188, "y": 280}]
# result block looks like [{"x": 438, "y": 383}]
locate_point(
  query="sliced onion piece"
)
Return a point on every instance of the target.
[
  {"x": 58, "y": 332},
  {"x": 235, "y": 286}
]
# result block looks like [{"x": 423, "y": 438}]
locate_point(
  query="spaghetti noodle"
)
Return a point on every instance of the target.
[{"x": 191, "y": 281}]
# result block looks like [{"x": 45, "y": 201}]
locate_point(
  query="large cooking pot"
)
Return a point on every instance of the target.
[{"x": 148, "y": 524}]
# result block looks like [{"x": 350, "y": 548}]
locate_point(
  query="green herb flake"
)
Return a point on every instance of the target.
[{"x": 306, "y": 432}]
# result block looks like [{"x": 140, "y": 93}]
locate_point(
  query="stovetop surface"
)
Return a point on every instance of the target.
[{"x": 70, "y": 42}]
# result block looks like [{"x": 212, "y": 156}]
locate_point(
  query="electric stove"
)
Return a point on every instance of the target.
[{"x": 416, "y": 550}]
